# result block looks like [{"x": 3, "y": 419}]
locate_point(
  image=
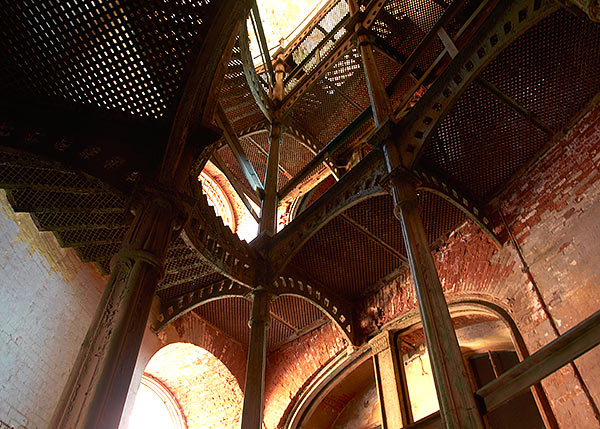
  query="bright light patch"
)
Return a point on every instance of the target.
[
  {"x": 155, "y": 407},
  {"x": 281, "y": 19}
]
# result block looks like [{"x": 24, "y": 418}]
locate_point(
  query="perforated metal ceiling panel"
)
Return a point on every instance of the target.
[
  {"x": 553, "y": 70},
  {"x": 482, "y": 142},
  {"x": 124, "y": 57}
]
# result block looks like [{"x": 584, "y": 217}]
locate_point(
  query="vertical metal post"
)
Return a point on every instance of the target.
[
  {"x": 457, "y": 401},
  {"x": 254, "y": 390},
  {"x": 268, "y": 212},
  {"x": 380, "y": 102},
  {"x": 97, "y": 388},
  {"x": 391, "y": 382}
]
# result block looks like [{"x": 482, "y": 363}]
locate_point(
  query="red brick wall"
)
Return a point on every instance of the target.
[
  {"x": 208, "y": 393},
  {"x": 191, "y": 328},
  {"x": 553, "y": 211},
  {"x": 290, "y": 368}
]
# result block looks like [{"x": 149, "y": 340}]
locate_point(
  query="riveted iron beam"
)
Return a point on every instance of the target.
[
  {"x": 173, "y": 309},
  {"x": 506, "y": 22}
]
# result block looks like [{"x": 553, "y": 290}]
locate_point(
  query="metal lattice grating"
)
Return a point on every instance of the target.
[
  {"x": 97, "y": 252},
  {"x": 308, "y": 46},
  {"x": 344, "y": 259},
  {"x": 231, "y": 162},
  {"x": 182, "y": 273},
  {"x": 403, "y": 24},
  {"x": 80, "y": 237},
  {"x": 236, "y": 98},
  {"x": 350, "y": 263},
  {"x": 22, "y": 175},
  {"x": 230, "y": 315},
  {"x": 327, "y": 98},
  {"x": 479, "y": 127},
  {"x": 553, "y": 70},
  {"x": 377, "y": 215},
  {"x": 78, "y": 220},
  {"x": 294, "y": 155},
  {"x": 31, "y": 201},
  {"x": 119, "y": 56},
  {"x": 189, "y": 286},
  {"x": 440, "y": 217},
  {"x": 298, "y": 312}
]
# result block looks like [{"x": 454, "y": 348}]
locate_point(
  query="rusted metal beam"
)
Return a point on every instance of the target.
[
  {"x": 550, "y": 358},
  {"x": 238, "y": 151}
]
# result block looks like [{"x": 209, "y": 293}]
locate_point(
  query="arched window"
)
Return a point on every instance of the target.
[{"x": 155, "y": 406}]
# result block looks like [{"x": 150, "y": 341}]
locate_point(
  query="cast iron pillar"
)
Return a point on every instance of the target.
[
  {"x": 268, "y": 212},
  {"x": 254, "y": 390},
  {"x": 95, "y": 393},
  {"x": 455, "y": 395}
]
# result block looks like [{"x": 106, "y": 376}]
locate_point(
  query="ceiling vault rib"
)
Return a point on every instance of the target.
[
  {"x": 373, "y": 237},
  {"x": 513, "y": 105}
]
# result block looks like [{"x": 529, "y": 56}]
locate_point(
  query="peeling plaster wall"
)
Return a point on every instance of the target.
[{"x": 48, "y": 298}]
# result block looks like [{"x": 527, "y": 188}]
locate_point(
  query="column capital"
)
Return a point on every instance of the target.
[{"x": 380, "y": 342}]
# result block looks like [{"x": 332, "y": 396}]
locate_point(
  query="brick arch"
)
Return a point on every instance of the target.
[
  {"x": 207, "y": 392},
  {"x": 309, "y": 354},
  {"x": 194, "y": 330}
]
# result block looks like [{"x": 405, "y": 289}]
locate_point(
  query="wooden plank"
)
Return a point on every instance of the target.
[{"x": 542, "y": 363}]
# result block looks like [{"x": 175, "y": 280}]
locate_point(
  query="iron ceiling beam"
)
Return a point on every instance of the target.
[{"x": 239, "y": 153}]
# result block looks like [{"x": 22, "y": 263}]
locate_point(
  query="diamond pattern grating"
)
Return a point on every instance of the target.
[
  {"x": 126, "y": 57},
  {"x": 350, "y": 263},
  {"x": 553, "y": 70},
  {"x": 481, "y": 127},
  {"x": 325, "y": 99}
]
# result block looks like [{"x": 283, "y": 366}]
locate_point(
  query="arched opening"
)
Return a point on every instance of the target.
[
  {"x": 227, "y": 204},
  {"x": 190, "y": 387},
  {"x": 155, "y": 406},
  {"x": 489, "y": 343}
]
